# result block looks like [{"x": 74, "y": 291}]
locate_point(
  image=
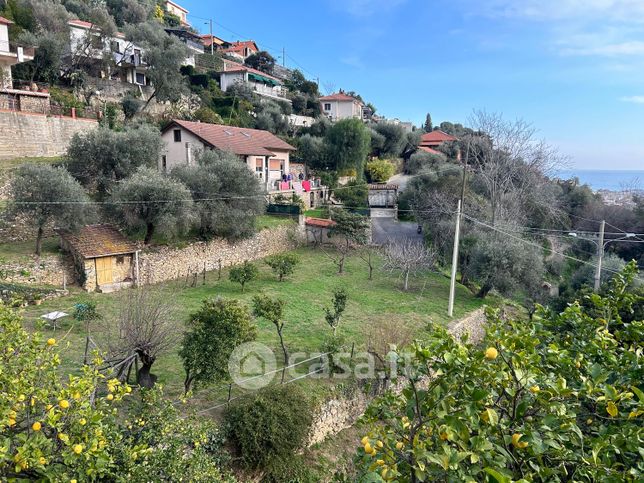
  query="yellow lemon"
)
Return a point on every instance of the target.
[
  {"x": 82, "y": 421},
  {"x": 128, "y": 389},
  {"x": 42, "y": 460},
  {"x": 383, "y": 473},
  {"x": 73, "y": 481},
  {"x": 491, "y": 353},
  {"x": 577, "y": 364},
  {"x": 516, "y": 441},
  {"x": 399, "y": 445},
  {"x": 535, "y": 389},
  {"x": 63, "y": 403},
  {"x": 379, "y": 444},
  {"x": 78, "y": 448},
  {"x": 21, "y": 397},
  {"x": 12, "y": 422},
  {"x": 589, "y": 421},
  {"x": 36, "y": 426},
  {"x": 444, "y": 436},
  {"x": 63, "y": 437},
  {"x": 364, "y": 440},
  {"x": 48, "y": 407},
  {"x": 367, "y": 448},
  {"x": 110, "y": 397},
  {"x": 380, "y": 462},
  {"x": 51, "y": 341}
]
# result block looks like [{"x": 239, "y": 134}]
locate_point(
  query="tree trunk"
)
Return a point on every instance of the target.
[
  {"x": 482, "y": 293},
  {"x": 144, "y": 377},
  {"x": 279, "y": 332},
  {"x": 187, "y": 383},
  {"x": 149, "y": 233},
  {"x": 370, "y": 272},
  {"x": 341, "y": 264},
  {"x": 39, "y": 240},
  {"x": 406, "y": 280}
]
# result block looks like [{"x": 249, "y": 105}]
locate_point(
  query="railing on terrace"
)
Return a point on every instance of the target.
[
  {"x": 6, "y": 46},
  {"x": 27, "y": 85},
  {"x": 277, "y": 91}
]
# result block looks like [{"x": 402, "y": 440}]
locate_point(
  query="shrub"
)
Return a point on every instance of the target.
[
  {"x": 354, "y": 194},
  {"x": 421, "y": 161},
  {"x": 271, "y": 425},
  {"x": 283, "y": 264},
  {"x": 379, "y": 170},
  {"x": 244, "y": 273}
]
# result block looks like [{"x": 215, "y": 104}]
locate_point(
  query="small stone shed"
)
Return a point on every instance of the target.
[
  {"x": 104, "y": 259},
  {"x": 317, "y": 230}
]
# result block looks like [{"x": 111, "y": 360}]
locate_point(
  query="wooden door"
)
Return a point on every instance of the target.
[{"x": 104, "y": 271}]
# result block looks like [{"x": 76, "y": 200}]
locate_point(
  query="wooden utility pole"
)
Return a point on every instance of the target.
[
  {"x": 452, "y": 282},
  {"x": 600, "y": 256}
]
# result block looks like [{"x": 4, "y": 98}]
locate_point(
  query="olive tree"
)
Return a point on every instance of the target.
[
  {"x": 100, "y": 158},
  {"x": 348, "y": 232},
  {"x": 44, "y": 194},
  {"x": 348, "y": 144},
  {"x": 213, "y": 333},
  {"x": 229, "y": 196},
  {"x": 272, "y": 309},
  {"x": 154, "y": 202}
]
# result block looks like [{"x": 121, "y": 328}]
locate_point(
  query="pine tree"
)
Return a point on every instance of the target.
[{"x": 428, "y": 126}]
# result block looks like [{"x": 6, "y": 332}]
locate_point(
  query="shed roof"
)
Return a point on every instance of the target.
[
  {"x": 94, "y": 241},
  {"x": 383, "y": 186},
  {"x": 436, "y": 136},
  {"x": 240, "y": 141},
  {"x": 319, "y": 222}
]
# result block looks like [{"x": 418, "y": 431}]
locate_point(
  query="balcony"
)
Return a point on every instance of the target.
[
  {"x": 276, "y": 92},
  {"x": 20, "y": 52}
]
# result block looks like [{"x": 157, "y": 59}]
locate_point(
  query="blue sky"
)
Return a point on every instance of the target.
[{"x": 574, "y": 68}]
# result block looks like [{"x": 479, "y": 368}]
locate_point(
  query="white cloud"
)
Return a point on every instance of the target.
[
  {"x": 353, "y": 61},
  {"x": 365, "y": 8},
  {"x": 622, "y": 10},
  {"x": 628, "y": 48},
  {"x": 633, "y": 99}
]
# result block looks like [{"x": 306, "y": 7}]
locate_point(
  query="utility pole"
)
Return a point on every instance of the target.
[
  {"x": 457, "y": 235},
  {"x": 212, "y": 40},
  {"x": 600, "y": 256},
  {"x": 452, "y": 282}
]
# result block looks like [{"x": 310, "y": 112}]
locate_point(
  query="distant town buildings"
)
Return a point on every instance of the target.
[{"x": 340, "y": 106}]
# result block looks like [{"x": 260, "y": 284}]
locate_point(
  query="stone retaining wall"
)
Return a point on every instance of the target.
[
  {"x": 48, "y": 270},
  {"x": 161, "y": 264},
  {"x": 37, "y": 135},
  {"x": 338, "y": 414}
]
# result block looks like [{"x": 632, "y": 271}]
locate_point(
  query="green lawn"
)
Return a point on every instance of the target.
[
  {"x": 306, "y": 293},
  {"x": 22, "y": 251},
  {"x": 14, "y": 163}
]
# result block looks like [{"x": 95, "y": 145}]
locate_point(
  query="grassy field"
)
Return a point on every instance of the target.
[{"x": 306, "y": 293}]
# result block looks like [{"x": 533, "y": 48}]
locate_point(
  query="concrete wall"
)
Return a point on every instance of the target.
[
  {"x": 177, "y": 153},
  {"x": 27, "y": 134}
]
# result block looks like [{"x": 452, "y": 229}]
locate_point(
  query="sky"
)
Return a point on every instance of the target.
[{"x": 572, "y": 68}]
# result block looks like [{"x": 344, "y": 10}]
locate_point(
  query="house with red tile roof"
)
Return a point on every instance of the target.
[
  {"x": 429, "y": 142},
  {"x": 259, "y": 82},
  {"x": 264, "y": 153},
  {"x": 240, "y": 49},
  {"x": 341, "y": 106}
]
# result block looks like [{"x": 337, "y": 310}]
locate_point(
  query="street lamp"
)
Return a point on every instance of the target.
[{"x": 601, "y": 245}]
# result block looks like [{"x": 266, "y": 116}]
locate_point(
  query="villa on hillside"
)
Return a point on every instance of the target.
[
  {"x": 178, "y": 11},
  {"x": 241, "y": 49},
  {"x": 27, "y": 97},
  {"x": 431, "y": 140},
  {"x": 340, "y": 106},
  {"x": 260, "y": 82},
  {"x": 264, "y": 153}
]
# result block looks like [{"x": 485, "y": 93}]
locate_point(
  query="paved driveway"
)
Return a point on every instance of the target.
[{"x": 384, "y": 230}]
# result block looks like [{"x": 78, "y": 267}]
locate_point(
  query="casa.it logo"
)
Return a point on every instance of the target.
[{"x": 252, "y": 366}]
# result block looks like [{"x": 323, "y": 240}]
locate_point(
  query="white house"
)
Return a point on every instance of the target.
[
  {"x": 264, "y": 153},
  {"x": 191, "y": 40},
  {"x": 179, "y": 11},
  {"x": 341, "y": 106},
  {"x": 10, "y": 54},
  {"x": 260, "y": 82},
  {"x": 125, "y": 60}
]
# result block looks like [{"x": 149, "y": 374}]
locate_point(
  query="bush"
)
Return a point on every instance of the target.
[
  {"x": 283, "y": 264},
  {"x": 379, "y": 170},
  {"x": 354, "y": 194},
  {"x": 421, "y": 161},
  {"x": 205, "y": 114},
  {"x": 271, "y": 425}
]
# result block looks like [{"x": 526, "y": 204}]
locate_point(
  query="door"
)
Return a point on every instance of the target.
[{"x": 104, "y": 271}]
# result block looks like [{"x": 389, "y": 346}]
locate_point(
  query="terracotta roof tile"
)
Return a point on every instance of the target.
[
  {"x": 238, "y": 140},
  {"x": 5, "y": 21},
  {"x": 437, "y": 136},
  {"x": 239, "y": 46},
  {"x": 339, "y": 96},
  {"x": 98, "y": 241},
  {"x": 427, "y": 149},
  {"x": 319, "y": 222}
]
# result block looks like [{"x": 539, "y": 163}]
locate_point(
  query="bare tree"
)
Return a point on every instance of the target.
[
  {"x": 366, "y": 253},
  {"x": 511, "y": 166},
  {"x": 142, "y": 329},
  {"x": 383, "y": 334},
  {"x": 408, "y": 256}
]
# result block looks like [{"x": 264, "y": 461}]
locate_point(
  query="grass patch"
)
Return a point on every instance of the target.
[
  {"x": 9, "y": 164},
  {"x": 306, "y": 293},
  {"x": 321, "y": 212},
  {"x": 263, "y": 222},
  {"x": 24, "y": 250}
]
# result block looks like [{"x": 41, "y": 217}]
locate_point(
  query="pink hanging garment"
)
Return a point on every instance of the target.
[{"x": 306, "y": 185}]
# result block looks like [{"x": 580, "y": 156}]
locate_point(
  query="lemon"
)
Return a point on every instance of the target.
[
  {"x": 63, "y": 403},
  {"x": 82, "y": 421},
  {"x": 516, "y": 441},
  {"x": 36, "y": 426},
  {"x": 535, "y": 389},
  {"x": 364, "y": 440},
  {"x": 491, "y": 353},
  {"x": 51, "y": 341},
  {"x": 380, "y": 462},
  {"x": 78, "y": 448},
  {"x": 399, "y": 445},
  {"x": 109, "y": 397},
  {"x": 379, "y": 444}
]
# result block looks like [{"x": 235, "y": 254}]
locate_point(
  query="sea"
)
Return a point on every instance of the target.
[{"x": 612, "y": 180}]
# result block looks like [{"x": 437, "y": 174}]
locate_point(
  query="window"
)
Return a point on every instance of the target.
[
  {"x": 164, "y": 163},
  {"x": 115, "y": 46},
  {"x": 177, "y": 135},
  {"x": 140, "y": 78},
  {"x": 327, "y": 106},
  {"x": 120, "y": 260}
]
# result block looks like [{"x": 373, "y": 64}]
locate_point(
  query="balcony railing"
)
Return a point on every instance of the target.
[
  {"x": 263, "y": 89},
  {"x": 6, "y": 46}
]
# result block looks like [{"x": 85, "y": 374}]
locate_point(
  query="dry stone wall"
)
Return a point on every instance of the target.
[
  {"x": 36, "y": 135},
  {"x": 338, "y": 414},
  {"x": 161, "y": 264},
  {"x": 53, "y": 270}
]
